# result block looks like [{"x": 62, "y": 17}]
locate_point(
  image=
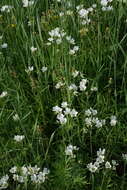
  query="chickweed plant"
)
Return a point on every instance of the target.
[{"x": 63, "y": 94}]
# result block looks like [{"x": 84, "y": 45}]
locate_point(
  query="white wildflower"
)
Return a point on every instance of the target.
[
  {"x": 113, "y": 121},
  {"x": 19, "y": 138},
  {"x": 3, "y": 94},
  {"x": 44, "y": 69},
  {"x": 108, "y": 165},
  {"x": 4, "y": 45}
]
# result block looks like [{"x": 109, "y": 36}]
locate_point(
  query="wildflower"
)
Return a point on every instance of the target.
[
  {"x": 59, "y": 85},
  {"x": 30, "y": 69},
  {"x": 15, "y": 117},
  {"x": 82, "y": 85},
  {"x": 64, "y": 104},
  {"x": 57, "y": 109},
  {"x": 75, "y": 73},
  {"x": 70, "y": 39},
  {"x": 124, "y": 156},
  {"x": 113, "y": 121},
  {"x": 67, "y": 111},
  {"x": 6, "y": 8},
  {"x": 44, "y": 69},
  {"x": 33, "y": 49},
  {"x": 108, "y": 165},
  {"x": 4, "y": 46},
  {"x": 74, "y": 50},
  {"x": 27, "y": 3},
  {"x": 69, "y": 150},
  {"x": 73, "y": 87},
  {"x": 13, "y": 170},
  {"x": 73, "y": 113},
  {"x": 3, "y": 94},
  {"x": 61, "y": 118},
  {"x": 92, "y": 167},
  {"x": 94, "y": 89},
  {"x": 4, "y": 182},
  {"x": 19, "y": 138}
]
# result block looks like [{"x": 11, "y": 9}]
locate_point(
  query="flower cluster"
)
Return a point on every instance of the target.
[
  {"x": 84, "y": 13},
  {"x": 92, "y": 120},
  {"x": 74, "y": 50},
  {"x": 105, "y": 5},
  {"x": 25, "y": 173},
  {"x": 64, "y": 111},
  {"x": 6, "y": 8},
  {"x": 19, "y": 138},
  {"x": 99, "y": 160},
  {"x": 82, "y": 85},
  {"x": 27, "y": 3},
  {"x": 4, "y": 182},
  {"x": 93, "y": 167},
  {"x": 69, "y": 150},
  {"x": 56, "y": 35}
]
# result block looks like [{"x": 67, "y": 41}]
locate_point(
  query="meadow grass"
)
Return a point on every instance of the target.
[{"x": 63, "y": 95}]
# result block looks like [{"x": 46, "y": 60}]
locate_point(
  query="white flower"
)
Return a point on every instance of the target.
[
  {"x": 124, "y": 156},
  {"x": 82, "y": 85},
  {"x": 61, "y": 118},
  {"x": 4, "y": 46},
  {"x": 57, "y": 109},
  {"x": 69, "y": 150},
  {"x": 104, "y": 2},
  {"x": 27, "y": 3},
  {"x": 70, "y": 39},
  {"x": 64, "y": 104},
  {"x": 33, "y": 49},
  {"x": 83, "y": 13},
  {"x": 24, "y": 171},
  {"x": 19, "y": 138},
  {"x": 73, "y": 113},
  {"x": 92, "y": 167},
  {"x": 73, "y": 87},
  {"x": 100, "y": 159},
  {"x": 4, "y": 182},
  {"x": 13, "y": 170},
  {"x": 44, "y": 69},
  {"x": 94, "y": 89},
  {"x": 88, "y": 112},
  {"x": 59, "y": 85},
  {"x": 100, "y": 152},
  {"x": 3, "y": 94},
  {"x": 6, "y": 8},
  {"x": 15, "y": 117},
  {"x": 30, "y": 69},
  {"x": 67, "y": 111},
  {"x": 108, "y": 165},
  {"x": 88, "y": 121},
  {"x": 113, "y": 121},
  {"x": 75, "y": 73}
]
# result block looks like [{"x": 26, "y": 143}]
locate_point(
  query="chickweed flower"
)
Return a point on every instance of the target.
[
  {"x": 108, "y": 165},
  {"x": 15, "y": 117},
  {"x": 27, "y": 3},
  {"x": 4, "y": 45},
  {"x": 19, "y": 138},
  {"x": 3, "y": 94},
  {"x": 113, "y": 121},
  {"x": 4, "y": 182},
  {"x": 30, "y": 69},
  {"x": 69, "y": 150},
  {"x": 44, "y": 69},
  {"x": 33, "y": 49}
]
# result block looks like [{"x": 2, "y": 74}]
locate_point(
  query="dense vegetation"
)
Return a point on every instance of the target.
[{"x": 63, "y": 94}]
